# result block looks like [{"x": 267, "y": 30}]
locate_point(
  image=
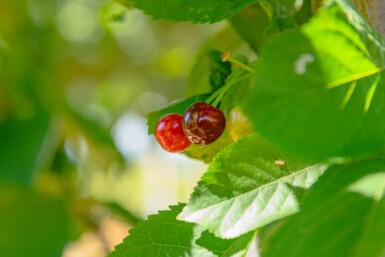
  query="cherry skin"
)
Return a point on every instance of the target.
[
  {"x": 238, "y": 125},
  {"x": 169, "y": 133},
  {"x": 203, "y": 123}
]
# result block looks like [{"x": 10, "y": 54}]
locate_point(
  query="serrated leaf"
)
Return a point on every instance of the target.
[
  {"x": 162, "y": 235},
  {"x": 198, "y": 11},
  {"x": 245, "y": 189},
  {"x": 178, "y": 107},
  {"x": 342, "y": 215},
  {"x": 322, "y": 87}
]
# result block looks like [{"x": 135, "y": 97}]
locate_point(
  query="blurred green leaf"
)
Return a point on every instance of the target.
[
  {"x": 162, "y": 235},
  {"x": 178, "y": 107},
  {"x": 245, "y": 189},
  {"x": 198, "y": 11},
  {"x": 31, "y": 224},
  {"x": 21, "y": 146},
  {"x": 314, "y": 100},
  {"x": 127, "y": 3},
  {"x": 92, "y": 128},
  {"x": 342, "y": 215},
  {"x": 284, "y": 12},
  {"x": 129, "y": 217},
  {"x": 253, "y": 23}
]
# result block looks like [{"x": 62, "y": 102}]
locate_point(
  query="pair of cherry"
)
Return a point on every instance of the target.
[{"x": 201, "y": 124}]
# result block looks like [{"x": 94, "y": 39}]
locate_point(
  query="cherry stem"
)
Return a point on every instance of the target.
[
  {"x": 225, "y": 88},
  {"x": 214, "y": 95},
  {"x": 226, "y": 56}
]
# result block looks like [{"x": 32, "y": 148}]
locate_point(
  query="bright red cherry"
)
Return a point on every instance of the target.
[
  {"x": 203, "y": 123},
  {"x": 169, "y": 133}
]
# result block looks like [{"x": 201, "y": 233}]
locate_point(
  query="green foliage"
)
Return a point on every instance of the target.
[
  {"x": 256, "y": 18},
  {"x": 316, "y": 94},
  {"x": 244, "y": 189},
  {"x": 342, "y": 213},
  {"x": 313, "y": 89},
  {"x": 199, "y": 80},
  {"x": 20, "y": 157},
  {"x": 328, "y": 99},
  {"x": 219, "y": 70},
  {"x": 32, "y": 224},
  {"x": 163, "y": 235},
  {"x": 199, "y": 11},
  {"x": 237, "y": 93}
]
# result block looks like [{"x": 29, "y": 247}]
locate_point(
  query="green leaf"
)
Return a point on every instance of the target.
[
  {"x": 322, "y": 88},
  {"x": 178, "y": 107},
  {"x": 93, "y": 130},
  {"x": 32, "y": 224},
  {"x": 126, "y": 3},
  {"x": 256, "y": 18},
  {"x": 219, "y": 70},
  {"x": 244, "y": 189},
  {"x": 119, "y": 210},
  {"x": 20, "y": 156},
  {"x": 198, "y": 11},
  {"x": 238, "y": 92},
  {"x": 226, "y": 247},
  {"x": 199, "y": 80},
  {"x": 342, "y": 215},
  {"x": 162, "y": 235},
  {"x": 91, "y": 127},
  {"x": 284, "y": 12}
]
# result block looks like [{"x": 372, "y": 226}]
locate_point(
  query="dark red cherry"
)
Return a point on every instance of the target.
[
  {"x": 169, "y": 133},
  {"x": 203, "y": 123}
]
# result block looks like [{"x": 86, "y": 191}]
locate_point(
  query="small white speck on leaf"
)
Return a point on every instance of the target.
[{"x": 301, "y": 63}]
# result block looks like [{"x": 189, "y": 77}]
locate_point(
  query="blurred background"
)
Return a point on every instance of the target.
[{"x": 77, "y": 167}]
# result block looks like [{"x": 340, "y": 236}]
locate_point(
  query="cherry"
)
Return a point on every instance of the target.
[
  {"x": 203, "y": 123},
  {"x": 238, "y": 125},
  {"x": 169, "y": 133}
]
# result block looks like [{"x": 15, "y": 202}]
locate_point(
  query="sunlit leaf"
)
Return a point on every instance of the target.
[
  {"x": 246, "y": 188},
  {"x": 341, "y": 215},
  {"x": 319, "y": 91}
]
